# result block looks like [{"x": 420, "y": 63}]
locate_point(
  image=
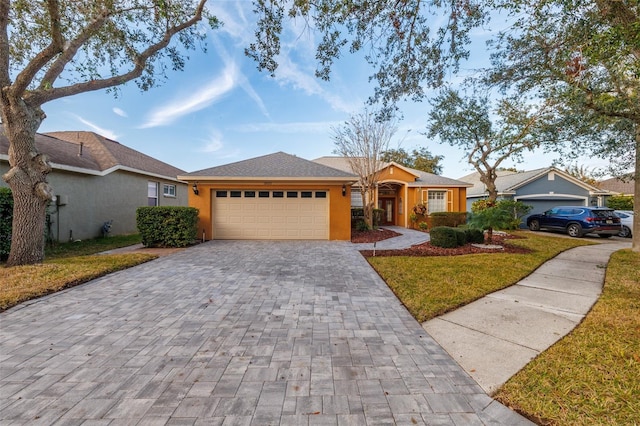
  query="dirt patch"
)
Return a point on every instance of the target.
[
  {"x": 372, "y": 236},
  {"x": 427, "y": 249}
]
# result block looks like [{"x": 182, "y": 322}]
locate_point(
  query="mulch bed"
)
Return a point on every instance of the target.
[
  {"x": 426, "y": 249},
  {"x": 372, "y": 236}
]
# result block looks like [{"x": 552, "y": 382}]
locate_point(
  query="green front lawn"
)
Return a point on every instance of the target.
[
  {"x": 590, "y": 377},
  {"x": 66, "y": 265},
  {"x": 431, "y": 286}
]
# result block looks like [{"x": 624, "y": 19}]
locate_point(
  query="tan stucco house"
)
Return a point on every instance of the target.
[{"x": 96, "y": 180}]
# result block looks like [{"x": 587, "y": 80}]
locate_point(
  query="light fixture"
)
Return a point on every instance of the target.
[
  {"x": 195, "y": 188},
  {"x": 344, "y": 190}
]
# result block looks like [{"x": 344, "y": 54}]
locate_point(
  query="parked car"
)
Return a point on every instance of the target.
[
  {"x": 577, "y": 221},
  {"x": 626, "y": 217}
]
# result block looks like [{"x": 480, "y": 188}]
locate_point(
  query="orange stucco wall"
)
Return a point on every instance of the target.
[{"x": 339, "y": 205}]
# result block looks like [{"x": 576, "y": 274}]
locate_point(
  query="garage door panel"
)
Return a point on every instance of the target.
[{"x": 289, "y": 217}]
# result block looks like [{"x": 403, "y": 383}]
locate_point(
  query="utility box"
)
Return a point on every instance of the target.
[{"x": 62, "y": 200}]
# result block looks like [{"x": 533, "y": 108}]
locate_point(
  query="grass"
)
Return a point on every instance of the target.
[
  {"x": 93, "y": 246},
  {"x": 432, "y": 286},
  {"x": 592, "y": 376},
  {"x": 67, "y": 265}
]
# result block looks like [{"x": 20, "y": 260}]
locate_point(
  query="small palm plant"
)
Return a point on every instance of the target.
[{"x": 489, "y": 219}]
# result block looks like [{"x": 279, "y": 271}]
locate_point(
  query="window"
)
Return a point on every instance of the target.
[
  {"x": 168, "y": 190},
  {"x": 249, "y": 194},
  {"x": 263, "y": 194},
  {"x": 321, "y": 194},
  {"x": 292, "y": 194},
  {"x": 306, "y": 194},
  {"x": 235, "y": 194},
  {"x": 278, "y": 194},
  {"x": 221, "y": 194},
  {"x": 152, "y": 194},
  {"x": 437, "y": 201}
]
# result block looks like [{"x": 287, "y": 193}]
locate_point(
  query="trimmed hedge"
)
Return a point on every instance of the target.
[
  {"x": 6, "y": 219},
  {"x": 448, "y": 237},
  {"x": 445, "y": 236},
  {"x": 167, "y": 226},
  {"x": 451, "y": 219}
]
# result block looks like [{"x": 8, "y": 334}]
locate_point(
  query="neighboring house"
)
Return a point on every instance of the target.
[
  {"x": 619, "y": 186},
  {"x": 97, "y": 180},
  {"x": 541, "y": 188},
  {"x": 401, "y": 188},
  {"x": 276, "y": 196}
]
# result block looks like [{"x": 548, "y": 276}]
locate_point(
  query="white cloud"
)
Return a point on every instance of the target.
[
  {"x": 213, "y": 144},
  {"x": 99, "y": 130},
  {"x": 289, "y": 128},
  {"x": 120, "y": 112},
  {"x": 200, "y": 99}
]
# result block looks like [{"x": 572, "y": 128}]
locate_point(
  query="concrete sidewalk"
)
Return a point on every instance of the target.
[{"x": 494, "y": 337}]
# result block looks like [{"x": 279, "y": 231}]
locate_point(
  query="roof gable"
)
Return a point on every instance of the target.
[{"x": 278, "y": 165}]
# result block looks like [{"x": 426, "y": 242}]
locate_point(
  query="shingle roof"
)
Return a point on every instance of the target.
[
  {"x": 277, "y": 165},
  {"x": 617, "y": 185},
  {"x": 108, "y": 153},
  {"x": 509, "y": 181}
]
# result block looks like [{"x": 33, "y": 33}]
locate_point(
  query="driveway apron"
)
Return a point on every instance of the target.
[{"x": 233, "y": 332}]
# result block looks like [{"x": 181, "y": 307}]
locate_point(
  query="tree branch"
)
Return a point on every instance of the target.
[
  {"x": 40, "y": 96},
  {"x": 56, "y": 46},
  {"x": 5, "y": 79}
]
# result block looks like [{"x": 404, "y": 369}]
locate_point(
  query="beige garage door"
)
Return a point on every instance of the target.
[{"x": 270, "y": 215}]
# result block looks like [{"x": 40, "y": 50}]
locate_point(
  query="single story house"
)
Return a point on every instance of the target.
[
  {"x": 98, "y": 180},
  {"x": 275, "y": 196},
  {"x": 540, "y": 188},
  {"x": 401, "y": 188}
]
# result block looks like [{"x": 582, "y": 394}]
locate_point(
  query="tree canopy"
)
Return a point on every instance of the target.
[
  {"x": 419, "y": 159},
  {"x": 584, "y": 57}
]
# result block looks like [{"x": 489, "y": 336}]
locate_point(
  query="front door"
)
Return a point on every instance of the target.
[{"x": 387, "y": 204}]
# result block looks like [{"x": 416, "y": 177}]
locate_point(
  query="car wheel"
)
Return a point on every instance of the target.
[
  {"x": 574, "y": 230},
  {"x": 534, "y": 225},
  {"x": 625, "y": 233}
]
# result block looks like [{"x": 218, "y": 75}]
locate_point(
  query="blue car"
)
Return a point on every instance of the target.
[{"x": 577, "y": 221}]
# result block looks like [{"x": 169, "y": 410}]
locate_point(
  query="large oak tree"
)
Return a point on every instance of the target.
[
  {"x": 51, "y": 49},
  {"x": 584, "y": 56}
]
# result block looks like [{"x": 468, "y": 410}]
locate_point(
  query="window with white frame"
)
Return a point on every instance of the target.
[
  {"x": 436, "y": 201},
  {"x": 169, "y": 190},
  {"x": 152, "y": 194}
]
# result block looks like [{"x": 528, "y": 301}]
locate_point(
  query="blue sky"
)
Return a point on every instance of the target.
[{"x": 220, "y": 109}]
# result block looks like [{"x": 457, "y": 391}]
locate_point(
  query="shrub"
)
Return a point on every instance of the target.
[
  {"x": 620, "y": 202},
  {"x": 461, "y": 236},
  {"x": 516, "y": 210},
  {"x": 423, "y": 226},
  {"x": 452, "y": 219},
  {"x": 6, "y": 218},
  {"x": 361, "y": 225},
  {"x": 167, "y": 226},
  {"x": 445, "y": 236},
  {"x": 474, "y": 236}
]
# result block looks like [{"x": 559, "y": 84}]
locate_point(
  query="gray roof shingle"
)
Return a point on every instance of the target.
[{"x": 277, "y": 165}]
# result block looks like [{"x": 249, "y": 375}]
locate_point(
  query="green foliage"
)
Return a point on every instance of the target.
[
  {"x": 167, "y": 226},
  {"x": 620, "y": 202},
  {"x": 516, "y": 210},
  {"x": 378, "y": 214},
  {"x": 423, "y": 226},
  {"x": 419, "y": 159},
  {"x": 447, "y": 237},
  {"x": 361, "y": 225},
  {"x": 490, "y": 218},
  {"x": 482, "y": 204},
  {"x": 474, "y": 236},
  {"x": 6, "y": 217},
  {"x": 452, "y": 219}
]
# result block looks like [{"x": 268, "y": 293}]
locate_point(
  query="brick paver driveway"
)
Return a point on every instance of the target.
[{"x": 233, "y": 332}]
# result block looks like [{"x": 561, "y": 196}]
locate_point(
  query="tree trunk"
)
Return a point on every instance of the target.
[
  {"x": 635, "y": 242},
  {"x": 27, "y": 178}
]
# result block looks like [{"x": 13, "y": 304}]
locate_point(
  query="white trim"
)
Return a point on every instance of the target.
[
  {"x": 296, "y": 179},
  {"x": 105, "y": 172},
  {"x": 550, "y": 196}
]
